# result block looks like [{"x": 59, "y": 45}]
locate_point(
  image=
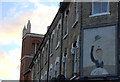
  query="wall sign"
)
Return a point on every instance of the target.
[{"x": 99, "y": 51}]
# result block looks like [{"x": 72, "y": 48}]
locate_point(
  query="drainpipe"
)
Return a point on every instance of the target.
[
  {"x": 62, "y": 15},
  {"x": 80, "y": 60},
  {"x": 48, "y": 56},
  {"x": 118, "y": 33}
]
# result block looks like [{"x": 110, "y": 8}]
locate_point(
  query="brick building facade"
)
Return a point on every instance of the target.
[
  {"x": 30, "y": 43},
  {"x": 62, "y": 50}
]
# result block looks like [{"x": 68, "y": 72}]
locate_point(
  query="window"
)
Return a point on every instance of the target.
[
  {"x": 76, "y": 15},
  {"x": 33, "y": 48},
  {"x": 74, "y": 53},
  {"x": 52, "y": 42},
  {"x": 50, "y": 71},
  {"x": 64, "y": 59},
  {"x": 37, "y": 45},
  {"x": 58, "y": 34},
  {"x": 66, "y": 22},
  {"x": 56, "y": 67},
  {"x": 100, "y": 7},
  {"x": 76, "y": 11}
]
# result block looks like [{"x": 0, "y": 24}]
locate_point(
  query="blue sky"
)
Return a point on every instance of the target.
[{"x": 13, "y": 17}]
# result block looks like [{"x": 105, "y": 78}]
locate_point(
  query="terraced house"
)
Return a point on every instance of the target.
[{"x": 82, "y": 42}]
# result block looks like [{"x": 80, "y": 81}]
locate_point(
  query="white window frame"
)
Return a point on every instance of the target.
[
  {"x": 51, "y": 72},
  {"x": 75, "y": 57},
  {"x": 57, "y": 61},
  {"x": 64, "y": 59},
  {"x": 66, "y": 24},
  {"x": 58, "y": 37},
  {"x": 76, "y": 11},
  {"x": 102, "y": 13},
  {"x": 52, "y": 43}
]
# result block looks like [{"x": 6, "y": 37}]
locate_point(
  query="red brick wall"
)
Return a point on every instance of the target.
[{"x": 27, "y": 50}]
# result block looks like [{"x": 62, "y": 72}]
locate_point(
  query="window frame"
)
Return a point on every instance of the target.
[
  {"x": 76, "y": 15},
  {"x": 52, "y": 43},
  {"x": 55, "y": 68},
  {"x": 58, "y": 34},
  {"x": 51, "y": 71},
  {"x": 101, "y": 13},
  {"x": 65, "y": 55},
  {"x": 66, "y": 23}
]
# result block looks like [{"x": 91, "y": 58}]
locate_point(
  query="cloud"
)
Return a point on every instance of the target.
[
  {"x": 9, "y": 63},
  {"x": 41, "y": 17},
  {"x": 11, "y": 33}
]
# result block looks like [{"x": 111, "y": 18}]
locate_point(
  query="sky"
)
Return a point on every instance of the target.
[{"x": 14, "y": 14}]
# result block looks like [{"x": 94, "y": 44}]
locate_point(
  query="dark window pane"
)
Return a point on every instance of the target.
[
  {"x": 97, "y": 7},
  {"x": 104, "y": 6}
]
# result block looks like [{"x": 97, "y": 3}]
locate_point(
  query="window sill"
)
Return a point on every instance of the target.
[
  {"x": 65, "y": 36},
  {"x": 74, "y": 23},
  {"x": 57, "y": 45},
  {"x": 99, "y": 14},
  {"x": 51, "y": 54},
  {"x": 45, "y": 62},
  {"x": 72, "y": 78}
]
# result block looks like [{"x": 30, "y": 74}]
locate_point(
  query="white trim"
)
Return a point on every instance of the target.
[
  {"x": 99, "y": 14},
  {"x": 26, "y": 56},
  {"x": 58, "y": 35},
  {"x": 36, "y": 60},
  {"x": 57, "y": 45},
  {"x": 51, "y": 54},
  {"x": 72, "y": 50},
  {"x": 43, "y": 50},
  {"x": 39, "y": 56},
  {"x": 60, "y": 21},
  {"x": 102, "y": 13},
  {"x": 77, "y": 44},
  {"x": 67, "y": 24},
  {"x": 72, "y": 77},
  {"x": 53, "y": 32},
  {"x": 76, "y": 10},
  {"x": 32, "y": 34},
  {"x": 47, "y": 42},
  {"x": 74, "y": 23},
  {"x": 65, "y": 36}
]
